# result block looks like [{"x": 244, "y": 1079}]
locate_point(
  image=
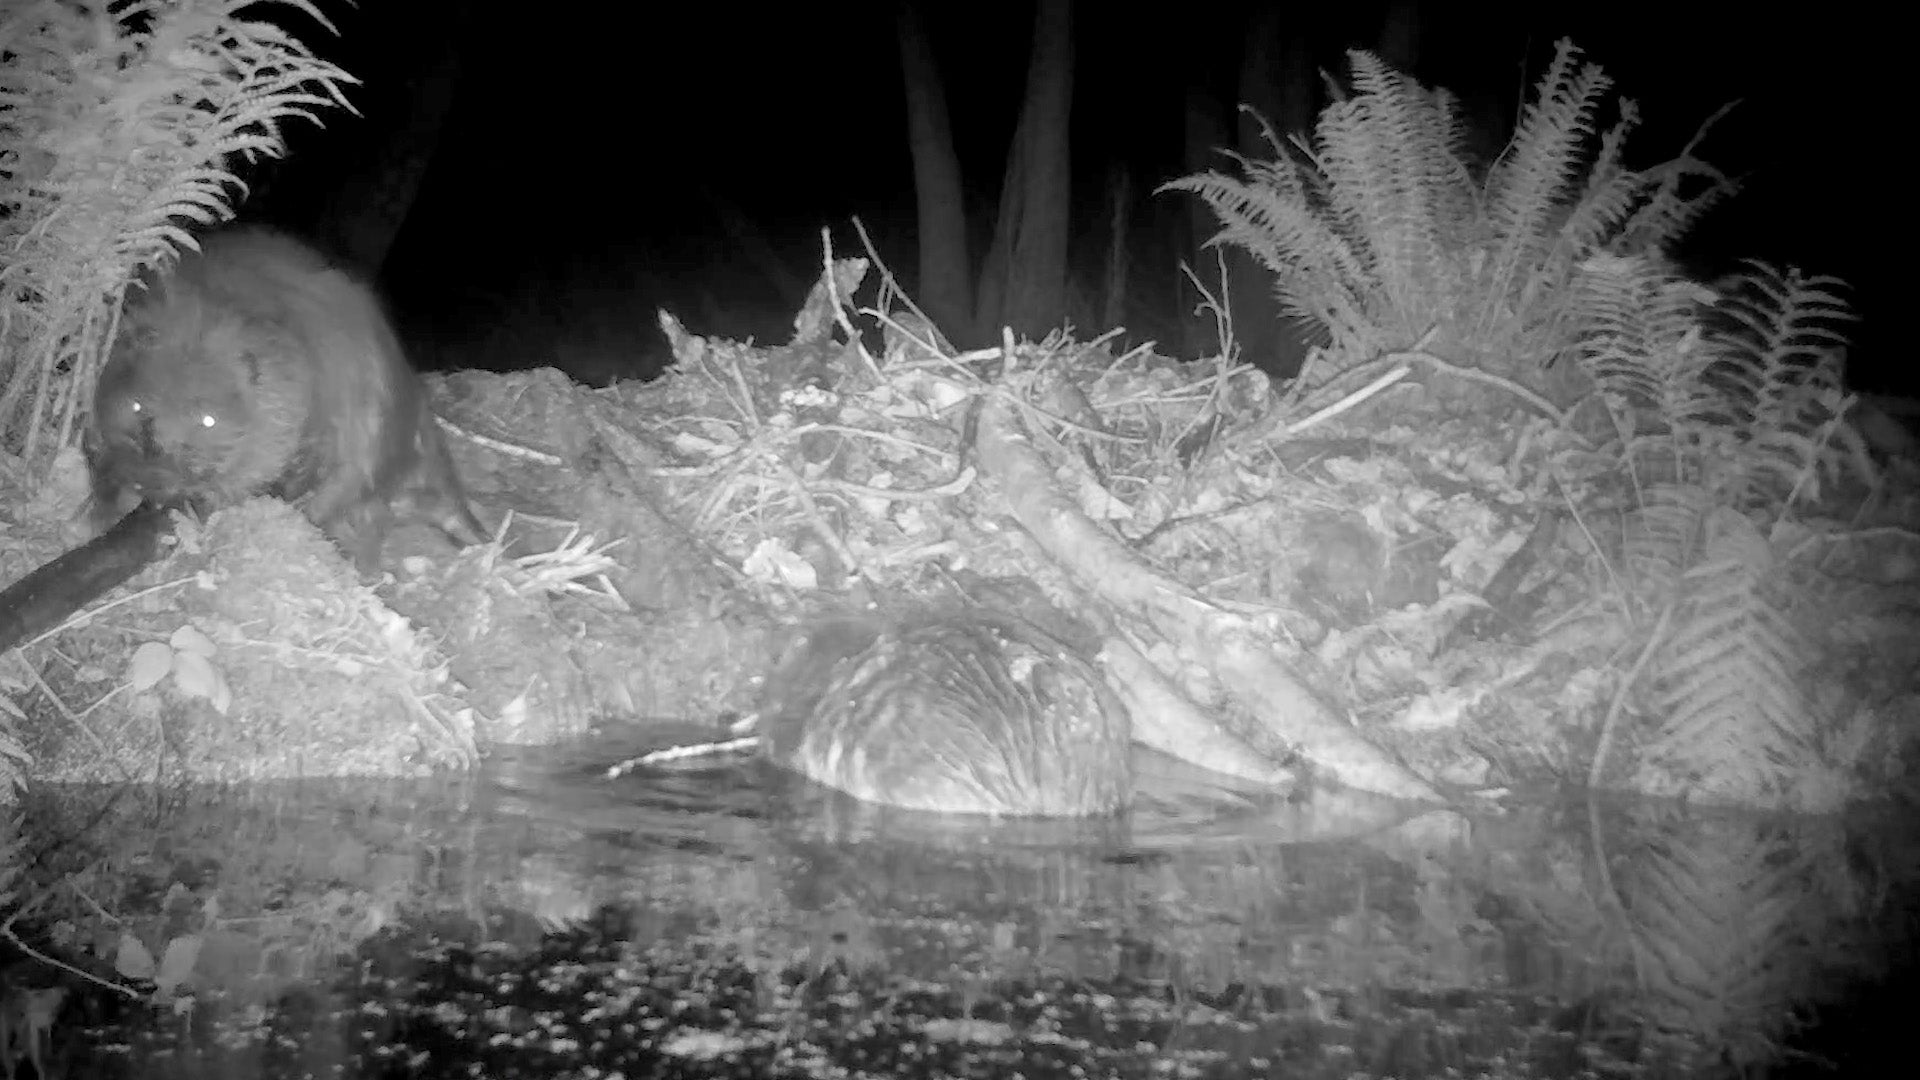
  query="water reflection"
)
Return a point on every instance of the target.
[{"x": 543, "y": 919}]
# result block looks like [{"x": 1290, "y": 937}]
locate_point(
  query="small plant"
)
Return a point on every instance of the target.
[{"x": 188, "y": 657}]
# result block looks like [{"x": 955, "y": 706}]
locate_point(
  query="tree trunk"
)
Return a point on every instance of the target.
[
  {"x": 945, "y": 290},
  {"x": 1023, "y": 281},
  {"x": 361, "y": 217},
  {"x": 1206, "y": 133},
  {"x": 1276, "y": 78},
  {"x": 755, "y": 248},
  {"x": 1113, "y": 311}
]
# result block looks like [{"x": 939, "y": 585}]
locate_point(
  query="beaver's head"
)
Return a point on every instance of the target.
[{"x": 174, "y": 403}]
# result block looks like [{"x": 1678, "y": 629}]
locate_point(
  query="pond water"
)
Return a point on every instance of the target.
[{"x": 543, "y": 919}]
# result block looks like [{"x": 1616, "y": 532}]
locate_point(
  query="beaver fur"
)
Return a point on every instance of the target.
[
  {"x": 257, "y": 367},
  {"x": 952, "y": 710}
]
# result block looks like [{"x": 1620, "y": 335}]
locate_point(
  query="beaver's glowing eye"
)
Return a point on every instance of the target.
[{"x": 208, "y": 421}]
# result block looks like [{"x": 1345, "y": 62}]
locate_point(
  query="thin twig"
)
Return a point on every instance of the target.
[{"x": 1618, "y": 705}]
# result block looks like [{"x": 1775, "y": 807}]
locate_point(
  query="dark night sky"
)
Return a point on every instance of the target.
[{"x": 600, "y": 154}]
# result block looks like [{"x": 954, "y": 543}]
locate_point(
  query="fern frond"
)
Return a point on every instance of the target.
[
  {"x": 1639, "y": 341},
  {"x": 1390, "y": 161},
  {"x": 1317, "y": 273},
  {"x": 1363, "y": 229},
  {"x": 1773, "y": 396},
  {"x": 1662, "y": 537},
  {"x": 1528, "y": 186},
  {"x": 1735, "y": 721},
  {"x": 1785, "y": 319},
  {"x": 1745, "y": 399},
  {"x": 1719, "y": 906},
  {"x": 1611, "y": 192}
]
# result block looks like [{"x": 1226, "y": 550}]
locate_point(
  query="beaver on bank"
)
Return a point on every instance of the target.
[{"x": 258, "y": 367}]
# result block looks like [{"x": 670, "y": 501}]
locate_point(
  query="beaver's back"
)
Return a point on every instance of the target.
[
  {"x": 955, "y": 711},
  {"x": 358, "y": 402}
]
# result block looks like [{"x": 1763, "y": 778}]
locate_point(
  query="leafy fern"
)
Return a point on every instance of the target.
[
  {"x": 1379, "y": 231},
  {"x": 1745, "y": 401},
  {"x": 1733, "y": 718}
]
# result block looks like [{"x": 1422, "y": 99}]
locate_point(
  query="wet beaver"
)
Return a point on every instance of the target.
[
  {"x": 968, "y": 711},
  {"x": 258, "y": 367}
]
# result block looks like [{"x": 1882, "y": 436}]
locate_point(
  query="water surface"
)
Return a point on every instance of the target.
[{"x": 721, "y": 919}]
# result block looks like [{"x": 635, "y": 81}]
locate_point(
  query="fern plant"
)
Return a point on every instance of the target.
[
  {"x": 1381, "y": 231},
  {"x": 1743, "y": 398},
  {"x": 120, "y": 125},
  {"x": 1724, "y": 415},
  {"x": 1733, "y": 723},
  {"x": 1727, "y": 424}
]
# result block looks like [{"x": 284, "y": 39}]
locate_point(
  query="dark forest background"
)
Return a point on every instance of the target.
[{"x": 581, "y": 167}]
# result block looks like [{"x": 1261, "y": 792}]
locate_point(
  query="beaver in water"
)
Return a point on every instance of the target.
[
  {"x": 963, "y": 710},
  {"x": 257, "y": 367}
]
